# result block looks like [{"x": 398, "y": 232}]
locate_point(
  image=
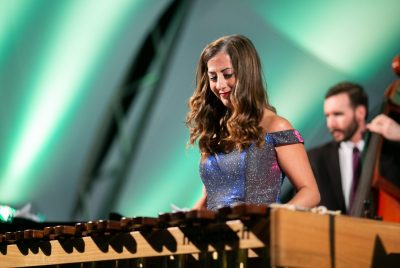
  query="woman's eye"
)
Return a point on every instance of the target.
[
  {"x": 227, "y": 76},
  {"x": 213, "y": 78}
]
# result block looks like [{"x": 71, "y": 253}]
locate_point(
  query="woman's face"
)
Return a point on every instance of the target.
[{"x": 221, "y": 77}]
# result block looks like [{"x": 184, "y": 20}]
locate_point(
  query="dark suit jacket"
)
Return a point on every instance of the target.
[{"x": 324, "y": 162}]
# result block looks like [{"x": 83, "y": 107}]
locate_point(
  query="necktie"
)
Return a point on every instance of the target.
[{"x": 356, "y": 174}]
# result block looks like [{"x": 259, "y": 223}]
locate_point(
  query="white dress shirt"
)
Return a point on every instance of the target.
[{"x": 346, "y": 166}]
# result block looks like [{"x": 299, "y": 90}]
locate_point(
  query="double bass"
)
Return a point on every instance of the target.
[{"x": 378, "y": 193}]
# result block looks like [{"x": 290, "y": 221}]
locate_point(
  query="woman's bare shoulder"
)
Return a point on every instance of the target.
[{"x": 271, "y": 122}]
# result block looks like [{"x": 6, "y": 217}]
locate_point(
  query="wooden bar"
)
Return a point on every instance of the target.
[
  {"x": 171, "y": 241},
  {"x": 303, "y": 239}
]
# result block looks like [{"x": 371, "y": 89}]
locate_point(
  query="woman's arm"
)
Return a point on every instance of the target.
[
  {"x": 294, "y": 162},
  {"x": 202, "y": 202}
]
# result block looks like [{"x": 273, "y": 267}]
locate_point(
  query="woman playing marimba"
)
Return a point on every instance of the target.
[{"x": 246, "y": 148}]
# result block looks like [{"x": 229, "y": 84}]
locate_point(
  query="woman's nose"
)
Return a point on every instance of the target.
[{"x": 221, "y": 83}]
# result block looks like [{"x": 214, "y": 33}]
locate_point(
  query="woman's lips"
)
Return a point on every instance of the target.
[{"x": 225, "y": 94}]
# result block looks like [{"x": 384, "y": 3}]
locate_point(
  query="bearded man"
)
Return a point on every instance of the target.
[{"x": 336, "y": 164}]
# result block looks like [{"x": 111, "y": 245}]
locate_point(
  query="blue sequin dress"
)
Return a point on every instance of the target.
[{"x": 250, "y": 176}]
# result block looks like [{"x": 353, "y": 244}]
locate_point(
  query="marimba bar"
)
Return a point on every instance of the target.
[{"x": 194, "y": 234}]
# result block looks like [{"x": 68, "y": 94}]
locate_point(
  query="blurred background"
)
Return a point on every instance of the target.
[{"x": 93, "y": 94}]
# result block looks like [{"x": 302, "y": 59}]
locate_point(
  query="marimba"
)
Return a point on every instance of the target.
[{"x": 239, "y": 236}]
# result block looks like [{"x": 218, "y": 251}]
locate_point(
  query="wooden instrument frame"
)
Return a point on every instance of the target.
[{"x": 292, "y": 238}]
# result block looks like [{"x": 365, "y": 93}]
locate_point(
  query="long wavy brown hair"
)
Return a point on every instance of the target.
[{"x": 217, "y": 128}]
